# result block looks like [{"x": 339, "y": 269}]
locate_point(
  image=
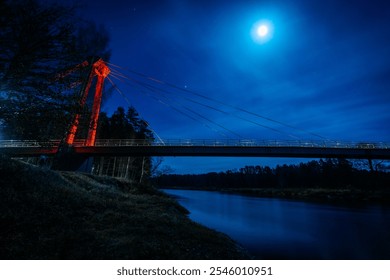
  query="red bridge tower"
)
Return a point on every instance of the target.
[{"x": 101, "y": 70}]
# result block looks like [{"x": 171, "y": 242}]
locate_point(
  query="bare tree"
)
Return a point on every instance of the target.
[{"x": 372, "y": 165}]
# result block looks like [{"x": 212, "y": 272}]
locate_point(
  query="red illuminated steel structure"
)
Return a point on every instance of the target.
[{"x": 101, "y": 70}]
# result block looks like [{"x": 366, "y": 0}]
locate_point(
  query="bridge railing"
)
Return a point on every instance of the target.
[
  {"x": 204, "y": 143},
  {"x": 28, "y": 143},
  {"x": 244, "y": 143}
]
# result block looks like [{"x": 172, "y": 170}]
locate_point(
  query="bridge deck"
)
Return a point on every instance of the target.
[{"x": 227, "y": 148}]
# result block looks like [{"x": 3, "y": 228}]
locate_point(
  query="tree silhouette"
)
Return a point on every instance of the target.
[
  {"x": 325, "y": 174},
  {"x": 38, "y": 43},
  {"x": 128, "y": 126}
]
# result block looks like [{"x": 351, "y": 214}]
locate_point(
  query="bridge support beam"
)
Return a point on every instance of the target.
[
  {"x": 235, "y": 151},
  {"x": 24, "y": 150}
]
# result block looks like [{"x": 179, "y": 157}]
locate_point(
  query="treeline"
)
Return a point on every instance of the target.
[
  {"x": 328, "y": 173},
  {"x": 124, "y": 125}
]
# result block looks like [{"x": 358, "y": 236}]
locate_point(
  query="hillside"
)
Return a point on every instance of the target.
[{"x": 65, "y": 215}]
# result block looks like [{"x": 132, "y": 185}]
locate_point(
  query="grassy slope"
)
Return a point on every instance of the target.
[{"x": 62, "y": 215}]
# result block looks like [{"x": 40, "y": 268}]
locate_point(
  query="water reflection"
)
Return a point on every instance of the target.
[{"x": 282, "y": 229}]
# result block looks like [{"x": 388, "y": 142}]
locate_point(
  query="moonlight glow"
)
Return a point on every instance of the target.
[{"x": 262, "y": 31}]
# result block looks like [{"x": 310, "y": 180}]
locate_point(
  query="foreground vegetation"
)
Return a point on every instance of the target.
[{"x": 66, "y": 215}]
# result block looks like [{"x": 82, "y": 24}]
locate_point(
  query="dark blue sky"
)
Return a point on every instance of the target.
[{"x": 326, "y": 69}]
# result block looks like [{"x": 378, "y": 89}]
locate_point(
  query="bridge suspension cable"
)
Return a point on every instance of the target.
[
  {"x": 198, "y": 117},
  {"x": 214, "y": 100},
  {"x": 162, "y": 92},
  {"x": 129, "y": 104},
  {"x": 169, "y": 104}
]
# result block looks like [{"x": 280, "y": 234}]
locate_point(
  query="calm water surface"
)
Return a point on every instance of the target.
[{"x": 282, "y": 229}]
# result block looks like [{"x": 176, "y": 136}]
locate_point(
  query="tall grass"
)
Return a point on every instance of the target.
[{"x": 64, "y": 215}]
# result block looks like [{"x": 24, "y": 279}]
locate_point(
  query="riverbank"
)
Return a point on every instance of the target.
[
  {"x": 67, "y": 215},
  {"x": 340, "y": 196}
]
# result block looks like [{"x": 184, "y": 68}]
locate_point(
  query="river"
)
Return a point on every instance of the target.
[{"x": 271, "y": 228}]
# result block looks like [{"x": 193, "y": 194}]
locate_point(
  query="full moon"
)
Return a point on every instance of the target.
[{"x": 262, "y": 30}]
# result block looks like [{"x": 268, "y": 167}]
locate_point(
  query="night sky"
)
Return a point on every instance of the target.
[{"x": 323, "y": 68}]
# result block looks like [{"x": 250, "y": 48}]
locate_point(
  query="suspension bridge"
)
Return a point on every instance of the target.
[
  {"x": 228, "y": 147},
  {"x": 206, "y": 147}
]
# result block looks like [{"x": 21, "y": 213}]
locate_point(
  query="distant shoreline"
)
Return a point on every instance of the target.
[
  {"x": 326, "y": 180},
  {"x": 339, "y": 196}
]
